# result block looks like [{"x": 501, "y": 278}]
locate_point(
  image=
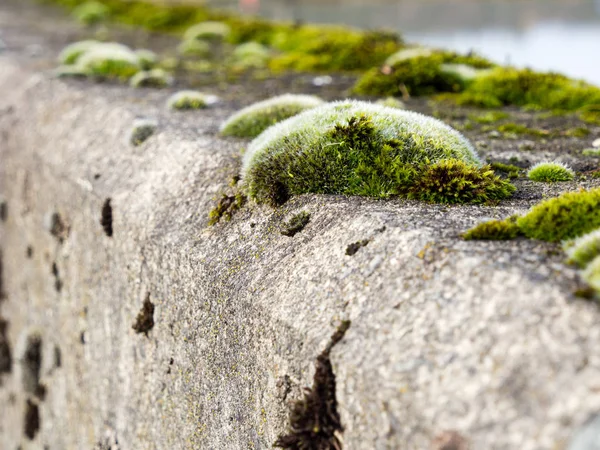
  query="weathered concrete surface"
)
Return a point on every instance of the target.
[{"x": 483, "y": 338}]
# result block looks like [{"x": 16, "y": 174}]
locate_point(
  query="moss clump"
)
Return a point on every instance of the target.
[
  {"x": 565, "y": 217},
  {"x": 250, "y": 55},
  {"x": 109, "y": 61},
  {"x": 421, "y": 74},
  {"x": 516, "y": 129},
  {"x": 156, "y": 78},
  {"x": 71, "y": 53},
  {"x": 358, "y": 148},
  {"x": 583, "y": 249},
  {"x": 309, "y": 48},
  {"x": 142, "y": 129},
  {"x": 591, "y": 152},
  {"x": 90, "y": 13},
  {"x": 510, "y": 170},
  {"x": 296, "y": 224},
  {"x": 70, "y": 72},
  {"x": 488, "y": 117},
  {"x": 254, "y": 119},
  {"x": 406, "y": 54},
  {"x": 494, "y": 230},
  {"x": 106, "y": 60},
  {"x": 454, "y": 181},
  {"x": 193, "y": 47},
  {"x": 208, "y": 31},
  {"x": 185, "y": 100},
  {"x": 146, "y": 58},
  {"x": 305, "y": 47},
  {"x": 591, "y": 274},
  {"x": 524, "y": 87},
  {"x": 550, "y": 172}
]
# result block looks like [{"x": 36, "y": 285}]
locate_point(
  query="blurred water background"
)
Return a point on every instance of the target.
[{"x": 556, "y": 35}]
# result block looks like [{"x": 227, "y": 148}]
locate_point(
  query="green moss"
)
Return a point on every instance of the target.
[
  {"x": 185, "y": 100},
  {"x": 311, "y": 47},
  {"x": 71, "y": 53},
  {"x": 510, "y": 170},
  {"x": 578, "y": 132},
  {"x": 591, "y": 152},
  {"x": 226, "y": 207},
  {"x": 109, "y": 61},
  {"x": 305, "y": 47},
  {"x": 358, "y": 148},
  {"x": 193, "y": 47},
  {"x": 419, "y": 75},
  {"x": 567, "y": 216},
  {"x": 142, "y": 129},
  {"x": 254, "y": 119},
  {"x": 591, "y": 274},
  {"x": 494, "y": 230},
  {"x": 453, "y": 181},
  {"x": 518, "y": 129},
  {"x": 524, "y": 87},
  {"x": 583, "y": 249},
  {"x": 250, "y": 55},
  {"x": 156, "y": 78},
  {"x": 488, "y": 117},
  {"x": 91, "y": 12},
  {"x": 70, "y": 72},
  {"x": 550, "y": 172},
  {"x": 146, "y": 58},
  {"x": 207, "y": 31},
  {"x": 296, "y": 224}
]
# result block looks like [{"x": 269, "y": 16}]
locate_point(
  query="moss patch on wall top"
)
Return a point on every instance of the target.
[{"x": 359, "y": 148}]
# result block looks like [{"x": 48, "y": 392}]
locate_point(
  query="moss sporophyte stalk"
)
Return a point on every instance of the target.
[{"x": 360, "y": 148}]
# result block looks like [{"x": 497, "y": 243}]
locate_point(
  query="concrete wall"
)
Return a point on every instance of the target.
[{"x": 447, "y": 338}]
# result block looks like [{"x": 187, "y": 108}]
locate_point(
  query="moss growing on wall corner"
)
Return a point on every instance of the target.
[
  {"x": 564, "y": 217},
  {"x": 494, "y": 230}
]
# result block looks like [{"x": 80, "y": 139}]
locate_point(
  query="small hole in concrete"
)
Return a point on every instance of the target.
[
  {"x": 57, "y": 357},
  {"x": 57, "y": 281},
  {"x": 106, "y": 219},
  {"x": 32, "y": 420},
  {"x": 5, "y": 353},
  {"x": 145, "y": 318},
  {"x": 82, "y": 338},
  {"x": 356, "y": 246},
  {"x": 96, "y": 176},
  {"x": 315, "y": 422},
  {"x": 32, "y": 364},
  {"x": 3, "y": 211},
  {"x": 29, "y": 252},
  {"x": 57, "y": 227},
  {"x": 2, "y": 293}
]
